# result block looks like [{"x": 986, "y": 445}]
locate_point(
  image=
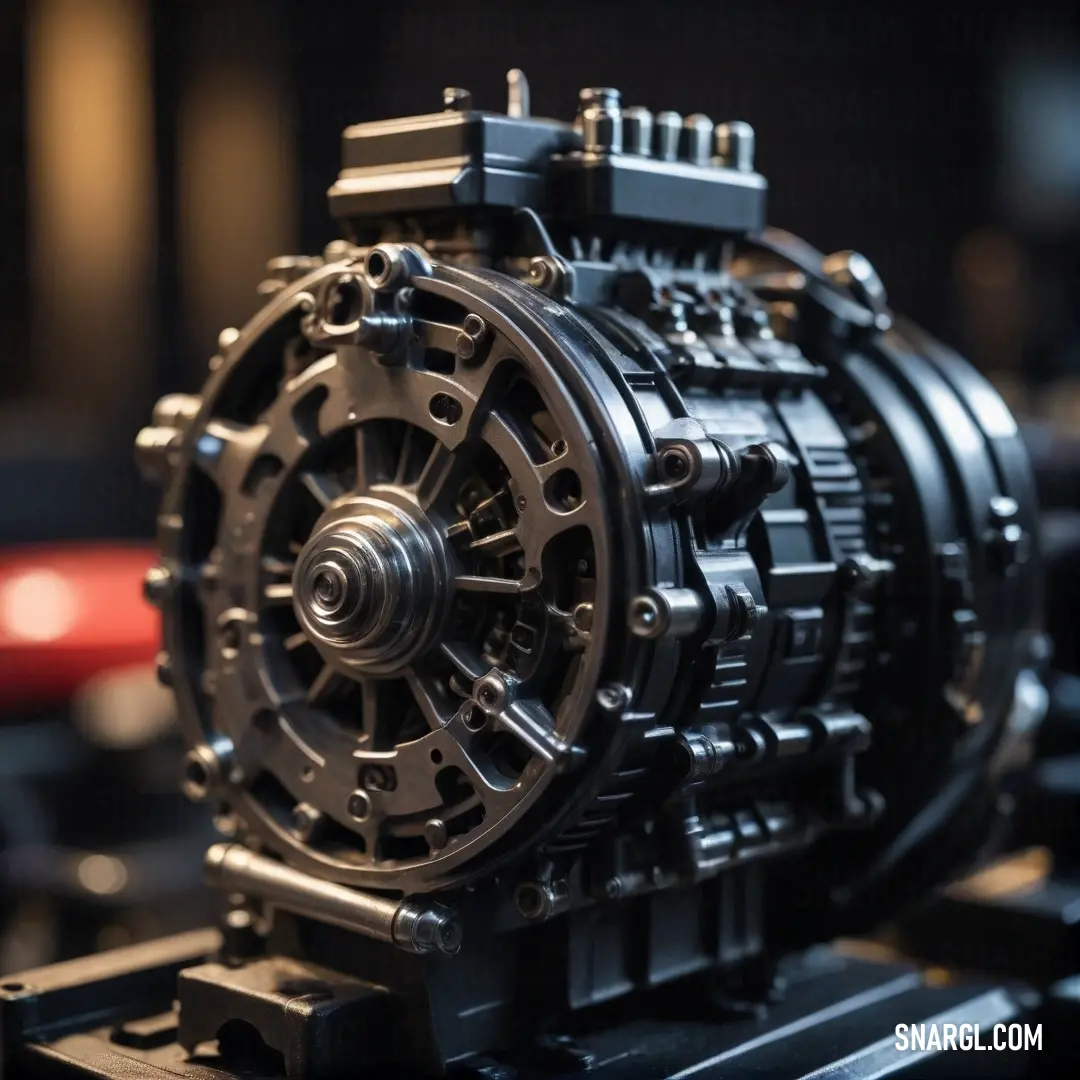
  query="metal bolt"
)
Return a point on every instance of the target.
[
  {"x": 1003, "y": 508},
  {"x": 472, "y": 335},
  {"x": 668, "y": 130},
  {"x": 660, "y": 612},
  {"x": 547, "y": 274},
  {"x": 337, "y": 250},
  {"x": 227, "y": 338},
  {"x": 601, "y": 120},
  {"x": 703, "y": 755},
  {"x": 156, "y": 585},
  {"x": 306, "y": 821},
  {"x": 176, "y": 410},
  {"x": 697, "y": 136},
  {"x": 614, "y": 698},
  {"x": 735, "y": 145},
  {"x": 436, "y": 834},
  {"x": 359, "y": 805},
  {"x": 154, "y": 448},
  {"x": 637, "y": 130},
  {"x": 205, "y": 767},
  {"x": 491, "y": 693}
]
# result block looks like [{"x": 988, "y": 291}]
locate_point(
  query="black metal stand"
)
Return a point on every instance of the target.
[{"x": 114, "y": 1015}]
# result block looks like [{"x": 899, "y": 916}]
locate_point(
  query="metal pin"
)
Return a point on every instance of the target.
[
  {"x": 518, "y": 94},
  {"x": 697, "y": 137},
  {"x": 668, "y": 129},
  {"x": 416, "y": 926},
  {"x": 601, "y": 120},
  {"x": 735, "y": 145},
  {"x": 637, "y": 130}
]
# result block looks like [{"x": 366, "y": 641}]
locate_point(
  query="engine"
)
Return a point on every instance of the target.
[{"x": 566, "y": 567}]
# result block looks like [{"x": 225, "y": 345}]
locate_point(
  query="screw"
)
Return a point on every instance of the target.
[{"x": 521, "y": 503}]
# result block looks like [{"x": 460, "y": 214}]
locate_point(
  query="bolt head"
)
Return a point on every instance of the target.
[
  {"x": 436, "y": 834},
  {"x": 227, "y": 338},
  {"x": 305, "y": 820},
  {"x": 359, "y": 805},
  {"x": 156, "y": 585},
  {"x": 491, "y": 693},
  {"x": 614, "y": 698},
  {"x": 464, "y": 346}
]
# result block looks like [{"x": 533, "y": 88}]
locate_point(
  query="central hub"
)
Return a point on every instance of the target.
[{"x": 369, "y": 584}]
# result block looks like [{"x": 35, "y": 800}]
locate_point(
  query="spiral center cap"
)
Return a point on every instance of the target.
[{"x": 368, "y": 584}]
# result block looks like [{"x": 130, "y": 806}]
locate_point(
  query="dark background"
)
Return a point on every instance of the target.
[{"x": 154, "y": 155}]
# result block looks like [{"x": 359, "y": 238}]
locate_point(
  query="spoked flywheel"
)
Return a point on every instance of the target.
[{"x": 413, "y": 649}]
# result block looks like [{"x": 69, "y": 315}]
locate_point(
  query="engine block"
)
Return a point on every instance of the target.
[{"x": 565, "y": 565}]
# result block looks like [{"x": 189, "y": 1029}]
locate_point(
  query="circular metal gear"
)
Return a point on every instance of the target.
[{"x": 382, "y": 546}]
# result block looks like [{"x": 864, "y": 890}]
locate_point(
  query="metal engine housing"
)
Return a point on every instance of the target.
[{"x": 563, "y": 545}]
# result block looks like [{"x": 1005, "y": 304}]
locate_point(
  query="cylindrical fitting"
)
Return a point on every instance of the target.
[
  {"x": 601, "y": 120},
  {"x": 177, "y": 410},
  {"x": 703, "y": 754},
  {"x": 420, "y": 927},
  {"x": 541, "y": 900},
  {"x": 666, "y": 613},
  {"x": 413, "y": 925},
  {"x": 456, "y": 99},
  {"x": 517, "y": 86},
  {"x": 668, "y": 131},
  {"x": 737, "y": 612},
  {"x": 735, "y": 145},
  {"x": 153, "y": 450},
  {"x": 697, "y": 137},
  {"x": 637, "y": 130},
  {"x": 206, "y": 768},
  {"x": 689, "y": 462}
]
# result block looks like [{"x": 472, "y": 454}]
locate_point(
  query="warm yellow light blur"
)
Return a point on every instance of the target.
[
  {"x": 237, "y": 191},
  {"x": 92, "y": 201}
]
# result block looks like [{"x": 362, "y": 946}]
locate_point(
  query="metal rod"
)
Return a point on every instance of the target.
[
  {"x": 413, "y": 925},
  {"x": 518, "y": 87}
]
